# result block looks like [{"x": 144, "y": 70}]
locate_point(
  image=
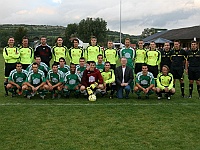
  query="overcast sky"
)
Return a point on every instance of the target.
[{"x": 136, "y": 14}]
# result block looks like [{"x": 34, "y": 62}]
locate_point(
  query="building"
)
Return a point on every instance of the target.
[{"x": 185, "y": 35}]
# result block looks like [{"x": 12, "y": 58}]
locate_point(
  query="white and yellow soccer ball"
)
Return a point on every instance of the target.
[{"x": 92, "y": 98}]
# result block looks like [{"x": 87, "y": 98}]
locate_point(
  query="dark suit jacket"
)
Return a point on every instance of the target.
[{"x": 128, "y": 75}]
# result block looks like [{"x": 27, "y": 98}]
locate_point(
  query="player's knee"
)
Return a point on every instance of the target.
[
  {"x": 100, "y": 86},
  {"x": 8, "y": 86},
  {"x": 136, "y": 89},
  {"x": 173, "y": 90},
  {"x": 82, "y": 88}
]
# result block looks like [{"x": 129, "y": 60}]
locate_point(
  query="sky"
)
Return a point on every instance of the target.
[{"x": 136, "y": 15}]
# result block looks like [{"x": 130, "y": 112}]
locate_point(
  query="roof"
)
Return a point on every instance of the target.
[
  {"x": 159, "y": 40},
  {"x": 181, "y": 34}
]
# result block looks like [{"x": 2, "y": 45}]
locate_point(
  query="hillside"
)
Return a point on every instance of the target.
[{"x": 51, "y": 32}]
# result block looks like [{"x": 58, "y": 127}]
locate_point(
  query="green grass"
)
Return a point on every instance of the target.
[{"x": 73, "y": 124}]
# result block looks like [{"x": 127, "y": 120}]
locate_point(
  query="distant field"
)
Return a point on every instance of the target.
[{"x": 73, "y": 124}]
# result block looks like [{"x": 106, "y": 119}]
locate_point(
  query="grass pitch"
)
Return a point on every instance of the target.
[{"x": 73, "y": 124}]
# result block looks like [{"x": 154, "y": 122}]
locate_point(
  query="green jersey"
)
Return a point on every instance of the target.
[
  {"x": 37, "y": 78},
  {"x": 165, "y": 81},
  {"x": 55, "y": 78},
  {"x": 64, "y": 69},
  {"x": 11, "y": 55},
  {"x": 92, "y": 52},
  {"x": 145, "y": 80},
  {"x": 80, "y": 70},
  {"x": 100, "y": 67},
  {"x": 129, "y": 54},
  {"x": 58, "y": 52},
  {"x": 18, "y": 77},
  {"x": 74, "y": 55},
  {"x": 26, "y": 55},
  {"x": 153, "y": 58},
  {"x": 42, "y": 67},
  {"x": 72, "y": 79},
  {"x": 109, "y": 76},
  {"x": 140, "y": 56},
  {"x": 111, "y": 56}
]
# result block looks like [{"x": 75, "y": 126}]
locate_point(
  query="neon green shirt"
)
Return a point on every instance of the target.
[
  {"x": 165, "y": 81},
  {"x": 11, "y": 55},
  {"x": 59, "y": 52},
  {"x": 108, "y": 77},
  {"x": 153, "y": 58},
  {"x": 26, "y": 55},
  {"x": 140, "y": 56},
  {"x": 111, "y": 56},
  {"x": 74, "y": 55},
  {"x": 92, "y": 52}
]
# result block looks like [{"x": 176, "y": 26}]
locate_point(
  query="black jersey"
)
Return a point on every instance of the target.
[
  {"x": 165, "y": 58},
  {"x": 193, "y": 57},
  {"x": 178, "y": 57}
]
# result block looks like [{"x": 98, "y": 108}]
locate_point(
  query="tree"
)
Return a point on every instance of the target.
[
  {"x": 92, "y": 27},
  {"x": 147, "y": 32},
  {"x": 71, "y": 30},
  {"x": 19, "y": 34}
]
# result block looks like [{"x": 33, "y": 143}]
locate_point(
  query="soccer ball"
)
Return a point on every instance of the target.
[{"x": 92, "y": 98}]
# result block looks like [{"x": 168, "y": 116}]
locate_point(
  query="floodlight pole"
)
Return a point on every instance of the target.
[{"x": 120, "y": 28}]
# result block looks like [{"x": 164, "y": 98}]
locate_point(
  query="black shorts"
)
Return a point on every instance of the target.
[
  {"x": 138, "y": 67},
  {"x": 113, "y": 66},
  {"x": 24, "y": 66},
  {"x": 194, "y": 73},
  {"x": 177, "y": 73},
  {"x": 153, "y": 70},
  {"x": 8, "y": 68}
]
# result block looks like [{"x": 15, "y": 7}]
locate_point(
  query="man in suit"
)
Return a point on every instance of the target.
[{"x": 123, "y": 77}]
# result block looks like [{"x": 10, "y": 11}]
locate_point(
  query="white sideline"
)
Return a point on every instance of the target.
[{"x": 93, "y": 104}]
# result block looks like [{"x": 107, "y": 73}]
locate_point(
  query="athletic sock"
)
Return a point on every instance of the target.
[
  {"x": 190, "y": 89},
  {"x": 182, "y": 89},
  {"x": 198, "y": 89}
]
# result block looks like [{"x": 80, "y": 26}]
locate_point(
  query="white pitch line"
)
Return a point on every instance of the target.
[{"x": 93, "y": 104}]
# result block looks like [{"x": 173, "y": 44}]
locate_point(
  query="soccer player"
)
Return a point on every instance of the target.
[
  {"x": 11, "y": 56},
  {"x": 41, "y": 65},
  {"x": 16, "y": 78},
  {"x": 59, "y": 50},
  {"x": 166, "y": 56},
  {"x": 75, "y": 53},
  {"x": 100, "y": 63},
  {"x": 55, "y": 80},
  {"x": 128, "y": 53},
  {"x": 165, "y": 83},
  {"x": 140, "y": 56},
  {"x": 91, "y": 79},
  {"x": 108, "y": 79},
  {"x": 81, "y": 67},
  {"x": 62, "y": 65},
  {"x": 71, "y": 82},
  {"x": 93, "y": 50},
  {"x": 144, "y": 82},
  {"x": 35, "y": 82},
  {"x": 44, "y": 51},
  {"x": 111, "y": 55},
  {"x": 153, "y": 58},
  {"x": 192, "y": 67},
  {"x": 178, "y": 58},
  {"x": 26, "y": 53}
]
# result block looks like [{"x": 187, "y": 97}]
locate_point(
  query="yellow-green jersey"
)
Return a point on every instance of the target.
[
  {"x": 111, "y": 55},
  {"x": 140, "y": 55},
  {"x": 165, "y": 81},
  {"x": 11, "y": 54},
  {"x": 108, "y": 76},
  {"x": 92, "y": 52},
  {"x": 74, "y": 54},
  {"x": 153, "y": 58},
  {"x": 58, "y": 52},
  {"x": 26, "y": 55}
]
